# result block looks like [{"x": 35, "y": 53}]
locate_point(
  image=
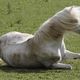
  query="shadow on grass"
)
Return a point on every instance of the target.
[{"x": 7, "y": 68}]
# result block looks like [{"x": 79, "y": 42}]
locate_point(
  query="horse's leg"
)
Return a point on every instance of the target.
[
  {"x": 71, "y": 55},
  {"x": 66, "y": 54},
  {"x": 61, "y": 66}
]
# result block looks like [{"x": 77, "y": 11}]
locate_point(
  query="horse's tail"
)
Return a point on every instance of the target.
[{"x": 0, "y": 49}]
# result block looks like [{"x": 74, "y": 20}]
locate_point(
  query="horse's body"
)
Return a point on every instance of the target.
[
  {"x": 20, "y": 50},
  {"x": 46, "y": 47}
]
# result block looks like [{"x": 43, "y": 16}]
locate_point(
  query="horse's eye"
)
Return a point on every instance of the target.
[{"x": 73, "y": 21}]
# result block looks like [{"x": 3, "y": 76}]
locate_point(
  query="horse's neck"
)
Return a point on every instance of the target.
[{"x": 49, "y": 31}]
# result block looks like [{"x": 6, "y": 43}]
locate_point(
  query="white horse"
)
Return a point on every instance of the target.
[{"x": 45, "y": 48}]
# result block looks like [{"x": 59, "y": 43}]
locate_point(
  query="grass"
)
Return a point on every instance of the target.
[{"x": 27, "y": 16}]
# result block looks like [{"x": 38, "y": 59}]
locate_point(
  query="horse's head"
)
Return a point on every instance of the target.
[{"x": 69, "y": 18}]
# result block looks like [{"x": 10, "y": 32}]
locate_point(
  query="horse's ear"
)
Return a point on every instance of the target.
[{"x": 71, "y": 9}]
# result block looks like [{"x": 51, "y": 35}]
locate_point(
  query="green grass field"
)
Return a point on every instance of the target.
[{"x": 27, "y": 16}]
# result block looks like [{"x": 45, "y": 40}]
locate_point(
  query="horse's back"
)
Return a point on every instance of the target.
[{"x": 15, "y": 37}]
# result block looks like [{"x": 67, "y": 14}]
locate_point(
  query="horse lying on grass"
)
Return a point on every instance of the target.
[{"x": 46, "y": 47}]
